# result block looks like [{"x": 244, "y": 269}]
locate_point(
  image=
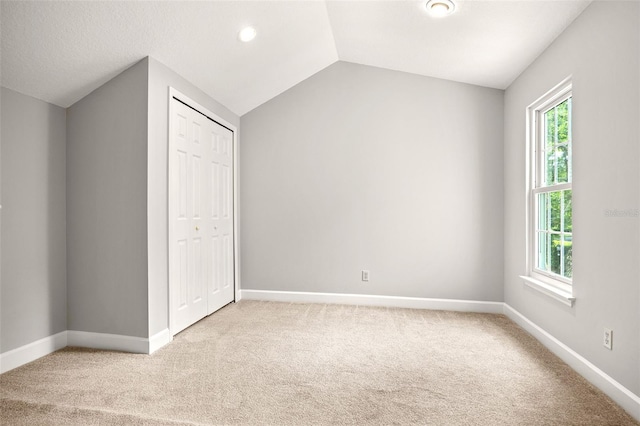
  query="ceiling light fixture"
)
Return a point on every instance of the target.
[
  {"x": 440, "y": 8},
  {"x": 247, "y": 34}
]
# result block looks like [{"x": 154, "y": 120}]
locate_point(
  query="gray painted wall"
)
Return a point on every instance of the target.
[
  {"x": 160, "y": 79},
  {"x": 107, "y": 207},
  {"x": 365, "y": 168},
  {"x": 34, "y": 297},
  {"x": 601, "y": 50}
]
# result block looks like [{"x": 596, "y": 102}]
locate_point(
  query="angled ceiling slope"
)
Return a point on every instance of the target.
[
  {"x": 486, "y": 43},
  {"x": 61, "y": 51}
]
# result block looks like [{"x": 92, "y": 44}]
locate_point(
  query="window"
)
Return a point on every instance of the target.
[{"x": 550, "y": 207}]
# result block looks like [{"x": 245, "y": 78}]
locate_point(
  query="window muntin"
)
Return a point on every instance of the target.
[{"x": 551, "y": 214}]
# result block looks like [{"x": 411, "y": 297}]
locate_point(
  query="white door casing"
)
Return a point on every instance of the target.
[{"x": 201, "y": 215}]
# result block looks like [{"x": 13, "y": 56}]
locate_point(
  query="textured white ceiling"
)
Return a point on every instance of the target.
[{"x": 61, "y": 51}]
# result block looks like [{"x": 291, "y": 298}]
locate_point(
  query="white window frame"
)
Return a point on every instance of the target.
[{"x": 553, "y": 285}]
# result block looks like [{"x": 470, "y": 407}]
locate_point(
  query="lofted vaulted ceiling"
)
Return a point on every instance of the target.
[{"x": 60, "y": 51}]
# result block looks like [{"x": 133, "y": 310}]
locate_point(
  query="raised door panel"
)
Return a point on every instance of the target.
[
  {"x": 221, "y": 289},
  {"x": 189, "y": 245}
]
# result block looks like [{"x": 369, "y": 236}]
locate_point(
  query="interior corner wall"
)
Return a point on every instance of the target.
[
  {"x": 33, "y": 270},
  {"x": 160, "y": 79},
  {"x": 107, "y": 207},
  {"x": 364, "y": 168},
  {"x": 601, "y": 49}
]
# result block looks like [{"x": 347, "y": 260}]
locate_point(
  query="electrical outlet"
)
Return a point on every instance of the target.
[
  {"x": 365, "y": 275},
  {"x": 607, "y": 339}
]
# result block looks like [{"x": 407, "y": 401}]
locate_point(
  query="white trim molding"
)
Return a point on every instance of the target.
[
  {"x": 374, "y": 300},
  {"x": 113, "y": 342},
  {"x": 159, "y": 340},
  {"x": 32, "y": 351},
  {"x": 110, "y": 342},
  {"x": 629, "y": 401},
  {"x": 117, "y": 342},
  {"x": 550, "y": 290}
]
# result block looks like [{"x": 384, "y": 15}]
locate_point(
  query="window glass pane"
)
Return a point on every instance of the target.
[
  {"x": 568, "y": 211},
  {"x": 542, "y": 208},
  {"x": 562, "y": 161},
  {"x": 550, "y": 129},
  {"x": 568, "y": 256},
  {"x": 555, "y": 254},
  {"x": 550, "y": 167},
  {"x": 554, "y": 206},
  {"x": 562, "y": 111},
  {"x": 543, "y": 244}
]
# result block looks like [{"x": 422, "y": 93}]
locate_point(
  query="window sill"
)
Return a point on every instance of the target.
[{"x": 558, "y": 294}]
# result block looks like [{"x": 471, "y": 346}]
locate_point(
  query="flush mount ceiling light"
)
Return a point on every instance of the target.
[
  {"x": 247, "y": 34},
  {"x": 440, "y": 8}
]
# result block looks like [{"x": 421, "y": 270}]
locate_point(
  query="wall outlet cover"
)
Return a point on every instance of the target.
[{"x": 607, "y": 338}]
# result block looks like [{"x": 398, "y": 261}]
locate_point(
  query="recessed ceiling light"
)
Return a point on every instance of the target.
[
  {"x": 247, "y": 34},
  {"x": 440, "y": 7}
]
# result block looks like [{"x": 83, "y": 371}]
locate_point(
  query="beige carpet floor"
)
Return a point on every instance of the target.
[{"x": 306, "y": 364}]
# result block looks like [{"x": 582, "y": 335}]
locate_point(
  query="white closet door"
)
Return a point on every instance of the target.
[
  {"x": 201, "y": 253},
  {"x": 221, "y": 278}
]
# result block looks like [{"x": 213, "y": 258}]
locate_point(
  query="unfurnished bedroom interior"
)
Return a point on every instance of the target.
[{"x": 320, "y": 212}]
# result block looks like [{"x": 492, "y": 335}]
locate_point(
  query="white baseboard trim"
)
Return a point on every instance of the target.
[
  {"x": 32, "y": 351},
  {"x": 616, "y": 391},
  {"x": 374, "y": 300},
  {"x": 629, "y": 401},
  {"x": 113, "y": 342},
  {"x": 159, "y": 339}
]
